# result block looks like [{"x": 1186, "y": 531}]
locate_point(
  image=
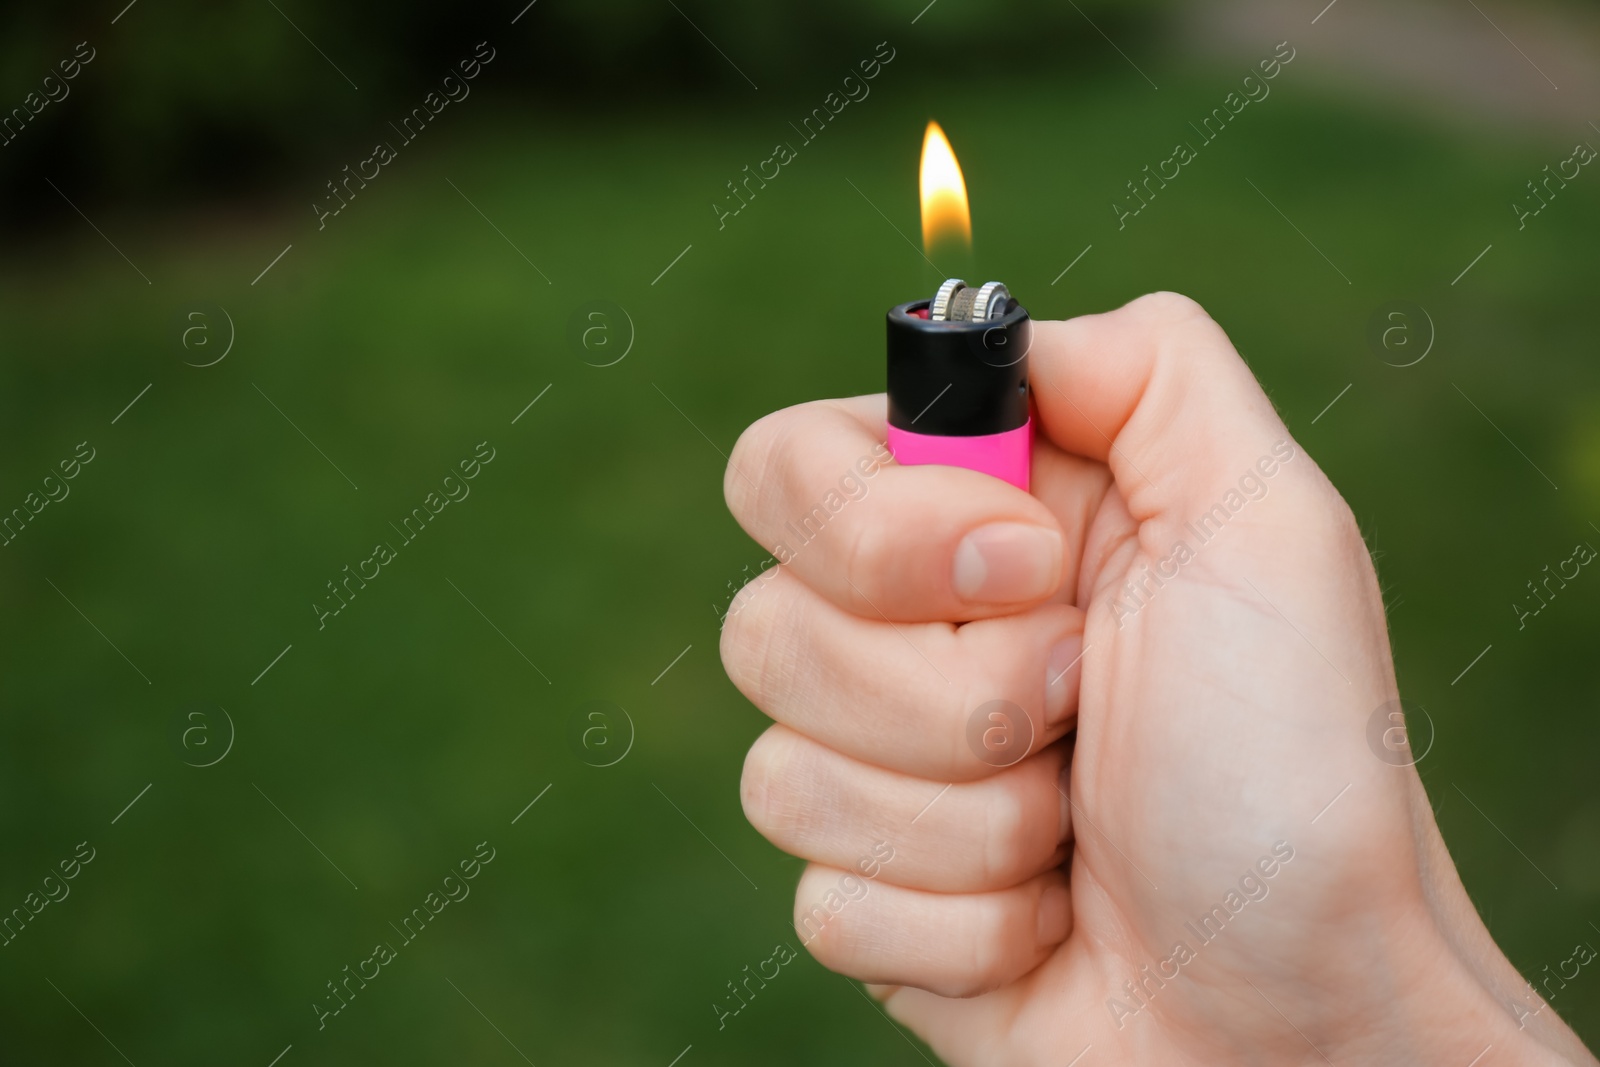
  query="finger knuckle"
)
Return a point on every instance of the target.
[
  {"x": 822, "y": 922},
  {"x": 864, "y": 563},
  {"x": 987, "y": 956},
  {"x": 766, "y": 786},
  {"x": 987, "y": 726},
  {"x": 1009, "y": 841},
  {"x": 1170, "y": 308},
  {"x": 747, "y": 481},
  {"x": 748, "y": 643}
]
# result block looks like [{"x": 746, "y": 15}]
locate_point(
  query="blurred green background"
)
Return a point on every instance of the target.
[{"x": 593, "y": 555}]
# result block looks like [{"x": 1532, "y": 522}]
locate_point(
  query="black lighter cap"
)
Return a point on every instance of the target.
[{"x": 958, "y": 379}]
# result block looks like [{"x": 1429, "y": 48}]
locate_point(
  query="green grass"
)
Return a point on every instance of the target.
[{"x": 409, "y": 729}]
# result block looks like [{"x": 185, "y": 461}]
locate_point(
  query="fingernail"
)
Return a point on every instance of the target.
[
  {"x": 1064, "y": 789},
  {"x": 1007, "y": 561},
  {"x": 1061, "y": 679},
  {"x": 1054, "y": 916}
]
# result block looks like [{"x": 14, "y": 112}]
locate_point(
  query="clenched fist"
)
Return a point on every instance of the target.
[{"x": 1085, "y": 773}]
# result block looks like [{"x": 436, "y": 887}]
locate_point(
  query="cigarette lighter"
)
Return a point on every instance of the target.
[{"x": 958, "y": 381}]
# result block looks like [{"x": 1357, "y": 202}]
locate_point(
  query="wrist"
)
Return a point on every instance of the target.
[
  {"x": 1465, "y": 990},
  {"x": 1460, "y": 1008}
]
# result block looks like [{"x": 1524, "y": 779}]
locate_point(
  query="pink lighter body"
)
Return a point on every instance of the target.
[{"x": 1004, "y": 455}]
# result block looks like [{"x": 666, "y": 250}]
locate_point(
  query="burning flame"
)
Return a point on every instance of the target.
[{"x": 945, "y": 215}]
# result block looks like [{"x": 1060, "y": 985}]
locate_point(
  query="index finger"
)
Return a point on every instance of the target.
[{"x": 817, "y": 486}]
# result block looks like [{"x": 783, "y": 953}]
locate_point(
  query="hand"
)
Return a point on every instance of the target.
[{"x": 1200, "y": 860}]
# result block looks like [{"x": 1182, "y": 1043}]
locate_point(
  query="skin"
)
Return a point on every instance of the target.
[{"x": 1174, "y": 748}]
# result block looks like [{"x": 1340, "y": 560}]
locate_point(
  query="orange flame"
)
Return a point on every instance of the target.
[{"x": 945, "y": 214}]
